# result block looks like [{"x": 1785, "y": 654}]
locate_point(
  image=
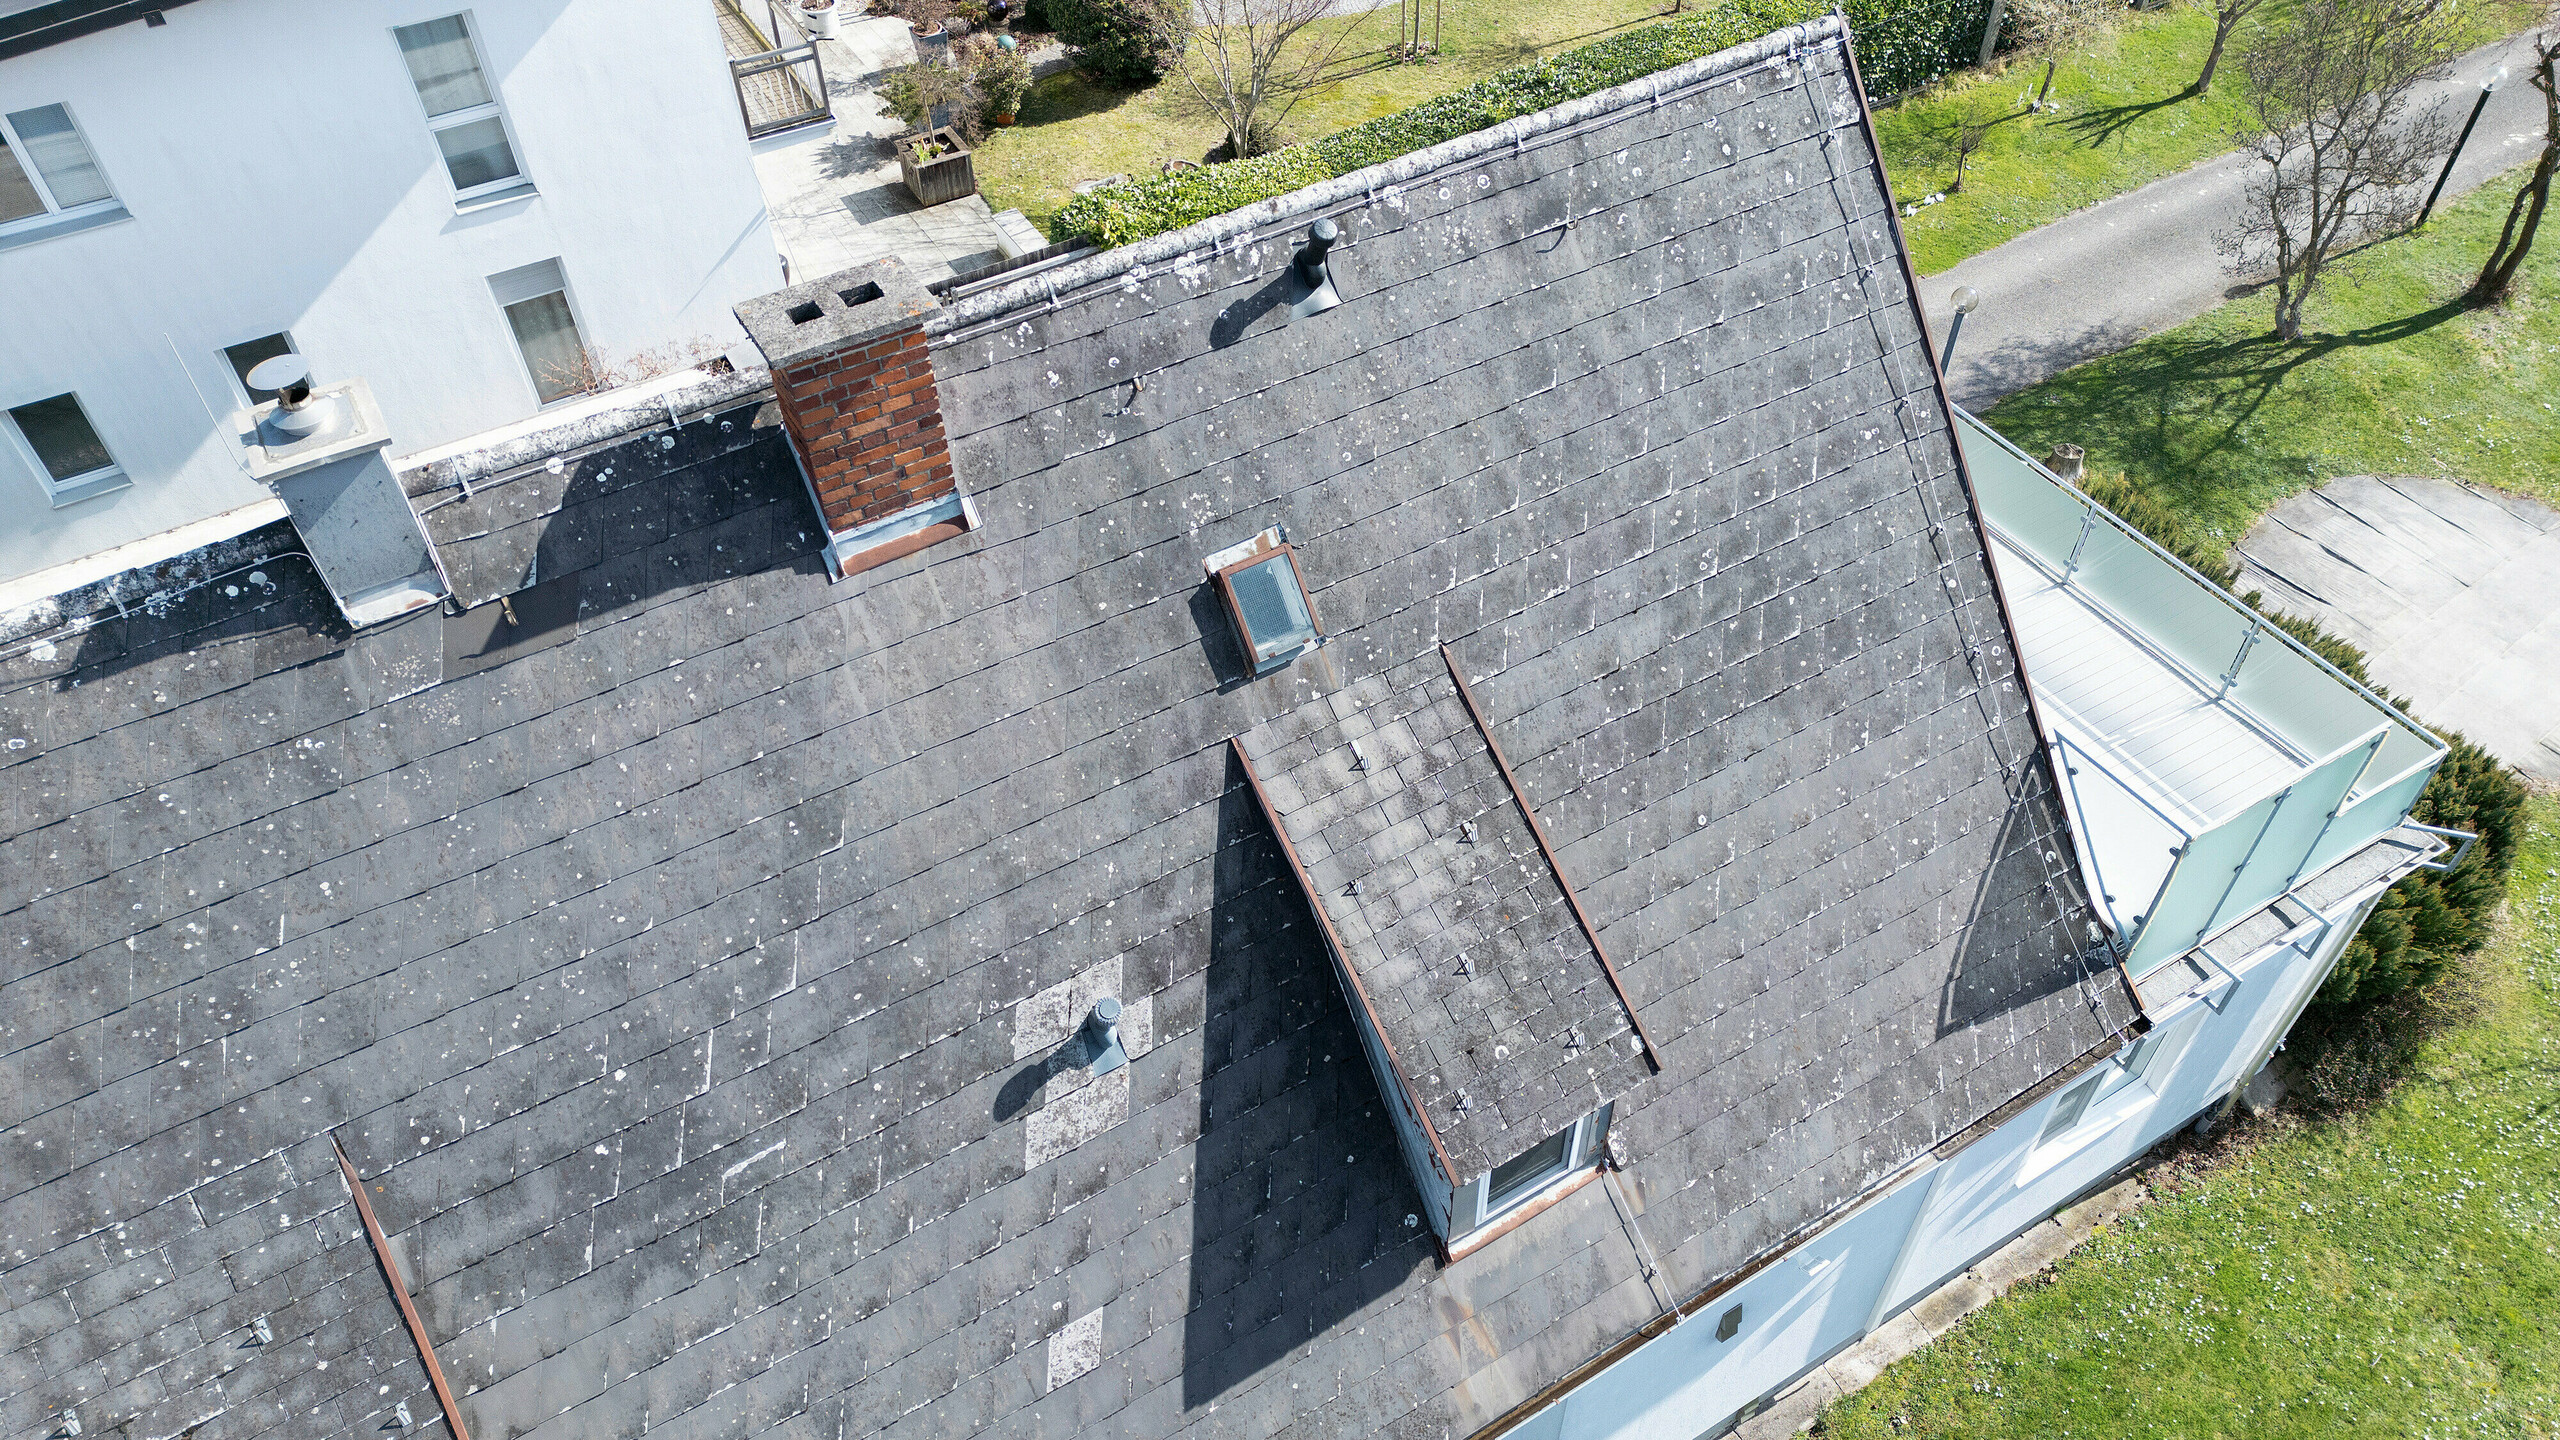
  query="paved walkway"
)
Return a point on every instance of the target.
[
  {"x": 2449, "y": 590},
  {"x": 2097, "y": 280},
  {"x": 835, "y": 194}
]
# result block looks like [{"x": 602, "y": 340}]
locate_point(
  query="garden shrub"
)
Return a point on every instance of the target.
[
  {"x": 1136, "y": 42},
  {"x": 2431, "y": 919},
  {"x": 1901, "y": 44}
]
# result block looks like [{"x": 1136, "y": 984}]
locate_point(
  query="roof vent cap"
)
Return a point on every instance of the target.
[
  {"x": 1314, "y": 274},
  {"x": 1101, "y": 1034},
  {"x": 299, "y": 415}
]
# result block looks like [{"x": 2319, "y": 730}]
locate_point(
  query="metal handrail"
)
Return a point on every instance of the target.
[
  {"x": 2229, "y": 600},
  {"x": 2060, "y": 741},
  {"x": 782, "y": 57},
  {"x": 2467, "y": 838}
]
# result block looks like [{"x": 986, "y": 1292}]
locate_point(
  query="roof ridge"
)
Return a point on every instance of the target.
[{"x": 1044, "y": 287}]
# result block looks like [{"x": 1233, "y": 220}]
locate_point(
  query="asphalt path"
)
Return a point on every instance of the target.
[{"x": 2101, "y": 278}]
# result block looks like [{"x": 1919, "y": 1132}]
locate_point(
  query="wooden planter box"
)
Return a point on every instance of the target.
[{"x": 946, "y": 176}]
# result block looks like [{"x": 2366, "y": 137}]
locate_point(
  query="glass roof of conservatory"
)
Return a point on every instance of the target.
[{"x": 2209, "y": 761}]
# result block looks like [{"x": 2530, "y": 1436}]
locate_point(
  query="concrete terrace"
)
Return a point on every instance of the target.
[{"x": 834, "y": 192}]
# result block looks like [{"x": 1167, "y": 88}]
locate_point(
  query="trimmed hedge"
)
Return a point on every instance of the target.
[
  {"x": 1902, "y": 45},
  {"x": 2430, "y": 919}
]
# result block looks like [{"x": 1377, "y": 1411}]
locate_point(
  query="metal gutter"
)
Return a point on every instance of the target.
[
  {"x": 1047, "y": 288},
  {"x": 48, "y": 25}
]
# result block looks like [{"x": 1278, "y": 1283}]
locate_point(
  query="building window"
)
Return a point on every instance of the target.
[
  {"x": 246, "y": 355},
  {"x": 535, "y": 300},
  {"x": 2068, "y": 1110},
  {"x": 462, "y": 110},
  {"x": 1268, "y": 601},
  {"x": 46, "y": 168},
  {"x": 1523, "y": 1176},
  {"x": 67, "y": 451}
]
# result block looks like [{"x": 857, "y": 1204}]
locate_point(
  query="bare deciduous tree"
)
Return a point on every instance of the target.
[
  {"x": 2332, "y": 92},
  {"x": 1953, "y": 135},
  {"x": 2227, "y": 15},
  {"x": 2524, "y": 213},
  {"x": 1249, "y": 68},
  {"x": 2051, "y": 29}
]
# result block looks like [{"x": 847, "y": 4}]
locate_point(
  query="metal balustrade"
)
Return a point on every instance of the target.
[
  {"x": 2209, "y": 761},
  {"x": 780, "y": 77}
]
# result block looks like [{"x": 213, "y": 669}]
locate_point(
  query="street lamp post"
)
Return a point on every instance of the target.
[
  {"x": 2488, "y": 88},
  {"x": 1962, "y": 302}
]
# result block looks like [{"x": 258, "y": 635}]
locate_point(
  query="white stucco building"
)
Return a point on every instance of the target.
[{"x": 480, "y": 212}]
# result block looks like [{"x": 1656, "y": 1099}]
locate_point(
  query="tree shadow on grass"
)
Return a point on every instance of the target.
[
  {"x": 2167, "y": 385},
  {"x": 2110, "y": 122},
  {"x": 1070, "y": 95}
]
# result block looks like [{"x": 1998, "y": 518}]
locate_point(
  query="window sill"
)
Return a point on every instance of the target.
[
  {"x": 52, "y": 227},
  {"x": 90, "y": 487},
  {"x": 464, "y": 205},
  {"x": 1488, "y": 1231}
]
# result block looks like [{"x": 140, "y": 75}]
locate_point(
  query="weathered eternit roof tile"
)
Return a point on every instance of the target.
[{"x": 668, "y": 984}]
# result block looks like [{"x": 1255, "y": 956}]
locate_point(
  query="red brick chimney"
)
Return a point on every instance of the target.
[{"x": 857, "y": 394}]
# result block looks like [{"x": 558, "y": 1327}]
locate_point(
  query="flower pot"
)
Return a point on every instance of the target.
[
  {"x": 935, "y": 179},
  {"x": 933, "y": 45},
  {"x": 1004, "y": 119},
  {"x": 819, "y": 19}
]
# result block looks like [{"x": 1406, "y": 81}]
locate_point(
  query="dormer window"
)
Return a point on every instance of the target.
[{"x": 1267, "y": 599}]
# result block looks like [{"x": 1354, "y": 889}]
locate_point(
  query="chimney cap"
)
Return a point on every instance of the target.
[
  {"x": 279, "y": 372},
  {"x": 850, "y": 308}
]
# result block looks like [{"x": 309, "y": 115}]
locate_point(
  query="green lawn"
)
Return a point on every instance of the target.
[
  {"x": 1076, "y": 129},
  {"x": 2126, "y": 116},
  {"x": 2219, "y": 421},
  {"x": 2126, "y": 120},
  {"x": 2392, "y": 1274}
]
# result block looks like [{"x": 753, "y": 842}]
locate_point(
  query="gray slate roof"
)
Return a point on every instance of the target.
[
  {"x": 688, "y": 986},
  {"x": 1481, "y": 977}
]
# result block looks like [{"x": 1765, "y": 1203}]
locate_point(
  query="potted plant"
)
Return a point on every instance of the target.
[
  {"x": 926, "y": 20},
  {"x": 1003, "y": 78},
  {"x": 936, "y": 166},
  {"x": 931, "y": 97},
  {"x": 818, "y": 17}
]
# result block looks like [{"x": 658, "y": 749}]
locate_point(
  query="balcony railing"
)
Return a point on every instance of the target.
[
  {"x": 780, "y": 76},
  {"x": 2209, "y": 761}
]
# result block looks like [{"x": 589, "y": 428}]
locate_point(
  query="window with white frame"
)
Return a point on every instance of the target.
[
  {"x": 535, "y": 300},
  {"x": 1523, "y": 1176},
  {"x": 46, "y": 170},
  {"x": 2095, "y": 1103},
  {"x": 470, "y": 129},
  {"x": 68, "y": 455}
]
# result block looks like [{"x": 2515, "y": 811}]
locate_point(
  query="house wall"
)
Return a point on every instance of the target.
[
  {"x": 281, "y": 176},
  {"x": 1934, "y": 1222}
]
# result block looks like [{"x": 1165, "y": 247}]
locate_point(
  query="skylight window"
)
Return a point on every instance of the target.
[{"x": 1268, "y": 601}]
